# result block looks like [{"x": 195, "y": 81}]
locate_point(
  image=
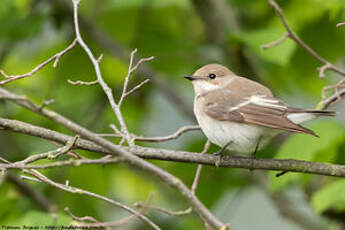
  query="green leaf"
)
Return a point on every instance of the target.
[{"x": 330, "y": 196}]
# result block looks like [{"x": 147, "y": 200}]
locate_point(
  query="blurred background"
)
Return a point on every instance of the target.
[{"x": 182, "y": 35}]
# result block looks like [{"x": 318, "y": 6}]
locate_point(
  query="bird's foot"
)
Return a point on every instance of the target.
[
  {"x": 218, "y": 155},
  {"x": 253, "y": 155}
]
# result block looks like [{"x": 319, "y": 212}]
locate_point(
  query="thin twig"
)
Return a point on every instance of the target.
[
  {"x": 137, "y": 87},
  {"x": 62, "y": 163},
  {"x": 47, "y": 102},
  {"x": 275, "y": 43},
  {"x": 118, "y": 133},
  {"x": 324, "y": 104},
  {"x": 293, "y": 36},
  {"x": 130, "y": 71},
  {"x": 193, "y": 189},
  {"x": 173, "y": 136},
  {"x": 336, "y": 87},
  {"x": 198, "y": 171},
  {"x": 80, "y": 219},
  {"x": 54, "y": 58},
  {"x": 116, "y": 223},
  {"x": 125, "y": 83},
  {"x": 82, "y": 82},
  {"x": 340, "y": 24},
  {"x": 71, "y": 189}
]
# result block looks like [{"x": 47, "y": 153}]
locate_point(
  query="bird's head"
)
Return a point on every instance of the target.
[{"x": 210, "y": 77}]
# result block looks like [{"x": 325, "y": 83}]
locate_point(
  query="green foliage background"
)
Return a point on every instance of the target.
[{"x": 170, "y": 30}]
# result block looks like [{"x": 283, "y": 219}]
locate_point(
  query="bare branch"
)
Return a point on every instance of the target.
[
  {"x": 277, "y": 42},
  {"x": 54, "y": 58},
  {"x": 99, "y": 59},
  {"x": 198, "y": 171},
  {"x": 49, "y": 155},
  {"x": 70, "y": 162},
  {"x": 115, "y": 223},
  {"x": 336, "y": 87},
  {"x": 46, "y": 102},
  {"x": 13, "y": 97},
  {"x": 82, "y": 82},
  {"x": 103, "y": 84},
  {"x": 177, "y": 156},
  {"x": 80, "y": 219},
  {"x": 71, "y": 189},
  {"x": 131, "y": 69},
  {"x": 293, "y": 36},
  {"x": 332, "y": 99},
  {"x": 136, "y": 87},
  {"x": 141, "y": 60},
  {"x": 323, "y": 69},
  {"x": 338, "y": 94},
  {"x": 340, "y": 24},
  {"x": 118, "y": 133},
  {"x": 125, "y": 84},
  {"x": 173, "y": 136}
]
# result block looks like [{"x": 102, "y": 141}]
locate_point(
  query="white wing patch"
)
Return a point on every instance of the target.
[
  {"x": 260, "y": 100},
  {"x": 298, "y": 118}
]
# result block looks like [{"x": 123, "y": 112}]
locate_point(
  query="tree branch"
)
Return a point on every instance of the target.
[
  {"x": 68, "y": 188},
  {"x": 172, "y": 155},
  {"x": 115, "y": 223},
  {"x": 54, "y": 58},
  {"x": 340, "y": 24},
  {"x": 326, "y": 65}
]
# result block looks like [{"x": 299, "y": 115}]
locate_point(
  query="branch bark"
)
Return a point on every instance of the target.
[{"x": 288, "y": 165}]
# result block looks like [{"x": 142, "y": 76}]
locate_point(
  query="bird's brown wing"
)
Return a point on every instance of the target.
[{"x": 263, "y": 110}]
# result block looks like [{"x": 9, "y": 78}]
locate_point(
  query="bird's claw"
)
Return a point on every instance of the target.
[{"x": 218, "y": 155}]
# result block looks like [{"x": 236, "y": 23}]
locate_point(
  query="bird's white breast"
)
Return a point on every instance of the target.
[{"x": 244, "y": 137}]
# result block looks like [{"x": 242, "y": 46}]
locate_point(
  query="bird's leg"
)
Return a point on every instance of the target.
[
  {"x": 253, "y": 156},
  {"x": 219, "y": 153},
  {"x": 256, "y": 147}
]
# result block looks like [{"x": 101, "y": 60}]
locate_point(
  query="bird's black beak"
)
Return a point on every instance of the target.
[{"x": 191, "y": 78}]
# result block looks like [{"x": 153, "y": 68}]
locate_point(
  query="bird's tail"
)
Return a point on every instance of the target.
[{"x": 302, "y": 115}]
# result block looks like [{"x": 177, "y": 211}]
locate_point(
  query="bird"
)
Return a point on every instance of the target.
[{"x": 241, "y": 115}]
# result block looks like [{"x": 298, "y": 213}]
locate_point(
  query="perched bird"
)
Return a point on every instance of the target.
[{"x": 242, "y": 115}]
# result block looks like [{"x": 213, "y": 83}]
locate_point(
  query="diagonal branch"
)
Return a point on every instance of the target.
[
  {"x": 326, "y": 65},
  {"x": 293, "y": 36},
  {"x": 115, "y": 223},
  {"x": 75, "y": 190},
  {"x": 54, "y": 58}
]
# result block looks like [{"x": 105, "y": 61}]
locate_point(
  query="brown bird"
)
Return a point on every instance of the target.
[{"x": 242, "y": 115}]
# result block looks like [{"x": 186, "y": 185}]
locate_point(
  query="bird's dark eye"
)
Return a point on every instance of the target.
[{"x": 212, "y": 76}]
